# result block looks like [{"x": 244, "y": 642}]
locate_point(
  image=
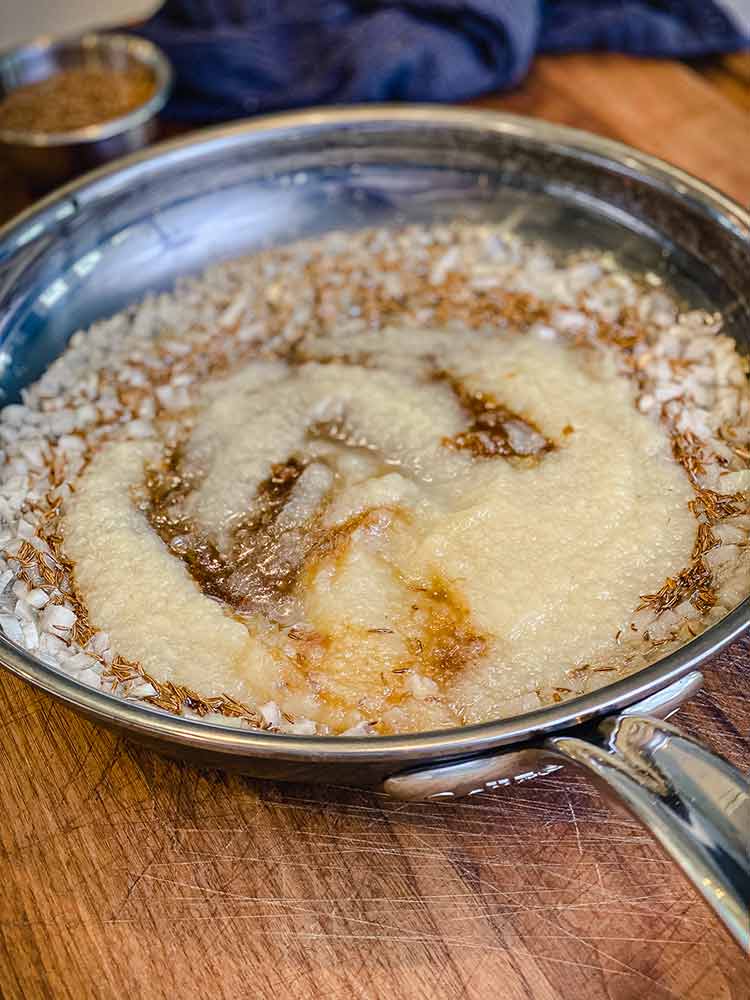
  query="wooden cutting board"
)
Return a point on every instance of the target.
[{"x": 122, "y": 874}]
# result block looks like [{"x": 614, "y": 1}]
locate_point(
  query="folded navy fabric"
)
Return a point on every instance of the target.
[{"x": 236, "y": 57}]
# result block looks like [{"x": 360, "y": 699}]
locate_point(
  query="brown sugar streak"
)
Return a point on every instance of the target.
[
  {"x": 223, "y": 574},
  {"x": 447, "y": 642},
  {"x": 489, "y": 433}
]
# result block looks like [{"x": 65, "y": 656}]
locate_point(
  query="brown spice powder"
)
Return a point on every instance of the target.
[{"x": 76, "y": 98}]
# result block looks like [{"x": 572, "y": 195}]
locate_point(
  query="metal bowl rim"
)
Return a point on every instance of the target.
[
  {"x": 144, "y": 51},
  {"x": 224, "y": 740}
]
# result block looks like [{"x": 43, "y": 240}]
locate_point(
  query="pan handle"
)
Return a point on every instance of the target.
[{"x": 695, "y": 804}]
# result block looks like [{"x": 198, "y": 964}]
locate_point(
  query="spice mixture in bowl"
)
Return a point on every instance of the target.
[
  {"x": 76, "y": 98},
  {"x": 379, "y": 482},
  {"x": 70, "y": 104}
]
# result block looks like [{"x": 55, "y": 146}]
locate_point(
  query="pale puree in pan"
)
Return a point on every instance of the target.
[
  {"x": 474, "y": 577},
  {"x": 394, "y": 482}
]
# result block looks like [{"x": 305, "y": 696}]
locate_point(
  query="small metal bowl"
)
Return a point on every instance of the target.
[{"x": 49, "y": 158}]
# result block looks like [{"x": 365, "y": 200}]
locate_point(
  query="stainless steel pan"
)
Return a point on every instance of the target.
[{"x": 98, "y": 244}]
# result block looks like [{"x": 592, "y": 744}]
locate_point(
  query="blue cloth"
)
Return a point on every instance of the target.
[{"x": 236, "y": 57}]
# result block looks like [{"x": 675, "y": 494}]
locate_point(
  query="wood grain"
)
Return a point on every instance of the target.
[
  {"x": 730, "y": 75},
  {"x": 663, "y": 108},
  {"x": 124, "y": 874}
]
